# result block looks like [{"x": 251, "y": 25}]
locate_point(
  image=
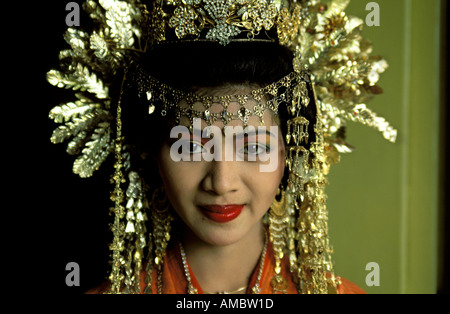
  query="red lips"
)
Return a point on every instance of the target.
[{"x": 222, "y": 213}]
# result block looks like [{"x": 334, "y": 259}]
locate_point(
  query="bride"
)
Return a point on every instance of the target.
[{"x": 221, "y": 143}]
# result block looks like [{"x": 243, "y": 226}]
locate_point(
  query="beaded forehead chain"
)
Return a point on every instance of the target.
[
  {"x": 169, "y": 99},
  {"x": 327, "y": 45}
]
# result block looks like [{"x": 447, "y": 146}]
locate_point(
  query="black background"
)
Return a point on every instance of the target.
[{"x": 58, "y": 217}]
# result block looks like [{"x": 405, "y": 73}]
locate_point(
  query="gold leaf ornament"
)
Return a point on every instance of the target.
[
  {"x": 78, "y": 78},
  {"x": 95, "y": 151}
]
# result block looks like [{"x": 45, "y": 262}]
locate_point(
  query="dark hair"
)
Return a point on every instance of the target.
[
  {"x": 194, "y": 64},
  {"x": 209, "y": 64}
]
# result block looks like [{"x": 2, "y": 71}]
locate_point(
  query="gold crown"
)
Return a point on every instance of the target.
[
  {"x": 223, "y": 20},
  {"x": 326, "y": 41}
]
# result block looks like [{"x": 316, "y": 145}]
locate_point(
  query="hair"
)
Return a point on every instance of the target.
[{"x": 194, "y": 64}]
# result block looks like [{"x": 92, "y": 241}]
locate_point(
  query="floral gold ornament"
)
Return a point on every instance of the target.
[
  {"x": 277, "y": 228},
  {"x": 334, "y": 70}
]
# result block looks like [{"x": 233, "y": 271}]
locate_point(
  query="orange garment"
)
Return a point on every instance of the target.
[{"x": 174, "y": 279}]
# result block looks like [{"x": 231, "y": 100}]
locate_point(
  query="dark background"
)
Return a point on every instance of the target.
[{"x": 59, "y": 217}]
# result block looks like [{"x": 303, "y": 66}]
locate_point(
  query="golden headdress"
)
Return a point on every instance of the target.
[{"x": 330, "y": 55}]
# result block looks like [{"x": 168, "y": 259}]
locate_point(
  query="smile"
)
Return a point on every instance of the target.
[{"x": 222, "y": 213}]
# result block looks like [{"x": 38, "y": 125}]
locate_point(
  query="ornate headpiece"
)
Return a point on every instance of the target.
[{"x": 329, "y": 54}]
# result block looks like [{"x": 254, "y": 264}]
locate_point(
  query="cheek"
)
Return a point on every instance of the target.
[
  {"x": 264, "y": 192},
  {"x": 265, "y": 184},
  {"x": 281, "y": 158},
  {"x": 279, "y": 172},
  {"x": 179, "y": 181}
]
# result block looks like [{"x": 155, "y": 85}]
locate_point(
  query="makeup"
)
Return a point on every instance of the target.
[{"x": 222, "y": 213}]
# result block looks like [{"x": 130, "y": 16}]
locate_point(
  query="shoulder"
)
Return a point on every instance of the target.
[{"x": 345, "y": 286}]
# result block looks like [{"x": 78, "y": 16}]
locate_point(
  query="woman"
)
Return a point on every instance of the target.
[
  {"x": 221, "y": 137},
  {"x": 220, "y": 203}
]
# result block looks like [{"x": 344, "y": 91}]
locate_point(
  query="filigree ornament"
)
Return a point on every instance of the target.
[
  {"x": 262, "y": 14},
  {"x": 261, "y": 100},
  {"x": 218, "y": 11},
  {"x": 183, "y": 21},
  {"x": 288, "y": 24}
]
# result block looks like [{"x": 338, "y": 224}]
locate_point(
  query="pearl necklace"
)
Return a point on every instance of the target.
[{"x": 256, "y": 288}]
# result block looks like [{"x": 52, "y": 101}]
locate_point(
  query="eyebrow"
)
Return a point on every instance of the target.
[{"x": 253, "y": 132}]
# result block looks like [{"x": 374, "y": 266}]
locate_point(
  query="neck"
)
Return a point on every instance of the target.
[{"x": 224, "y": 268}]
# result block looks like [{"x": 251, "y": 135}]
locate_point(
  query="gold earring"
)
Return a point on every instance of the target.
[
  {"x": 278, "y": 220},
  {"x": 135, "y": 232},
  {"x": 161, "y": 220},
  {"x": 117, "y": 196}
]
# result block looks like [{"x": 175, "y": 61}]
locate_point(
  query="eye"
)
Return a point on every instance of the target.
[
  {"x": 191, "y": 147},
  {"x": 255, "y": 149}
]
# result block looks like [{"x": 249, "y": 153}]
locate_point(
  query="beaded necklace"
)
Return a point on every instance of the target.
[{"x": 256, "y": 289}]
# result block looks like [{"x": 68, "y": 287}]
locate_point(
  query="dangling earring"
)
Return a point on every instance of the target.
[
  {"x": 278, "y": 220},
  {"x": 161, "y": 220},
  {"x": 117, "y": 196},
  {"x": 135, "y": 232}
]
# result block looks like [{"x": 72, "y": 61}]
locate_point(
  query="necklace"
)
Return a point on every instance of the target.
[
  {"x": 228, "y": 292},
  {"x": 256, "y": 289}
]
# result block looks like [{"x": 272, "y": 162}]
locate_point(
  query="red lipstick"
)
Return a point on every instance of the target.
[{"x": 222, "y": 213}]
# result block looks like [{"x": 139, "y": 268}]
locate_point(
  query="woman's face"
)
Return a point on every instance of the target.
[{"x": 223, "y": 199}]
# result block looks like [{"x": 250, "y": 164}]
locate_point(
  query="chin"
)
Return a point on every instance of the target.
[
  {"x": 227, "y": 234},
  {"x": 221, "y": 234}
]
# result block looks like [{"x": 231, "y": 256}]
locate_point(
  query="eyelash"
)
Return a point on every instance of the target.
[
  {"x": 245, "y": 150},
  {"x": 191, "y": 143},
  {"x": 265, "y": 148}
]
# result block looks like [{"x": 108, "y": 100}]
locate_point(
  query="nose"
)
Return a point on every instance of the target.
[{"x": 222, "y": 177}]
